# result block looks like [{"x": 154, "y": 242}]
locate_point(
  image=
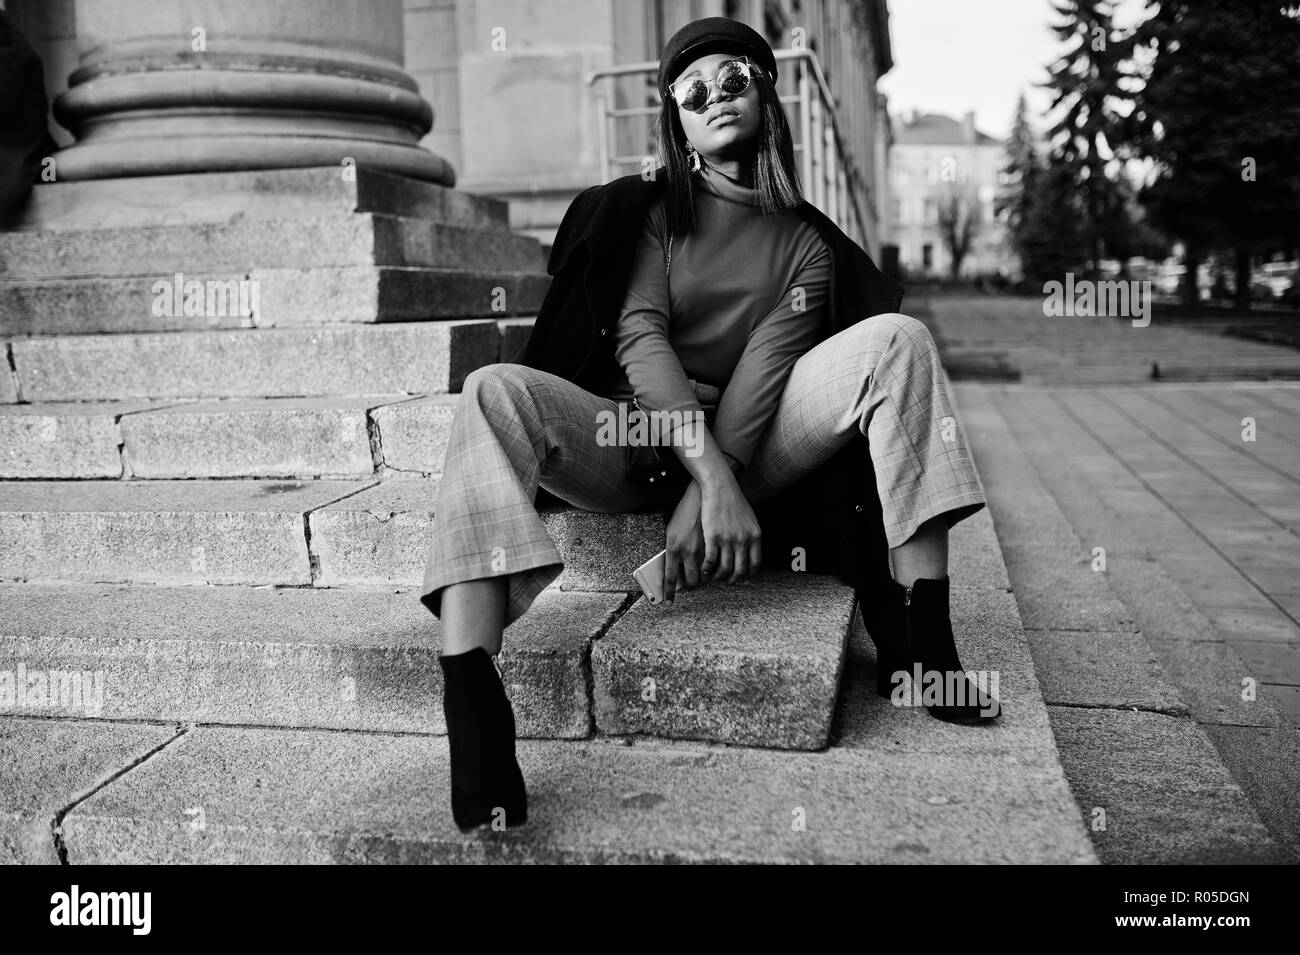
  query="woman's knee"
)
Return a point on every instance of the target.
[
  {"x": 894, "y": 329},
  {"x": 498, "y": 378}
]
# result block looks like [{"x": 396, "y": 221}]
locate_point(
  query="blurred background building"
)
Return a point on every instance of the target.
[{"x": 945, "y": 177}]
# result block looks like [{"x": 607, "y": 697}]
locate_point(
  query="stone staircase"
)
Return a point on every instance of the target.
[{"x": 221, "y": 521}]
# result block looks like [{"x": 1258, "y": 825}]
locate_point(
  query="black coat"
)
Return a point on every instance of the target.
[
  {"x": 25, "y": 138},
  {"x": 833, "y": 513}
]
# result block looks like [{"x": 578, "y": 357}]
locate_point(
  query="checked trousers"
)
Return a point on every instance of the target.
[{"x": 516, "y": 428}]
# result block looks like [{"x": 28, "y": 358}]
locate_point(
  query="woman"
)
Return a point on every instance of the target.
[{"x": 721, "y": 325}]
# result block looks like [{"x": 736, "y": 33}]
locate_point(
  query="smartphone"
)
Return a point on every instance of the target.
[{"x": 650, "y": 576}]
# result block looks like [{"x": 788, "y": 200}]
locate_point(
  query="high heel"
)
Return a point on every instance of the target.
[
  {"x": 486, "y": 782},
  {"x": 932, "y": 650}
]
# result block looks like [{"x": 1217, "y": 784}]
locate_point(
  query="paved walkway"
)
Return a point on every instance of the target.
[
  {"x": 1193, "y": 485},
  {"x": 1012, "y": 338}
]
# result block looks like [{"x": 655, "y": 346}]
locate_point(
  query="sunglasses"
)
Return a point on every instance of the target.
[{"x": 732, "y": 78}]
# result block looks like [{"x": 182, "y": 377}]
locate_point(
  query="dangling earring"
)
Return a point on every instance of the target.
[{"x": 695, "y": 158}]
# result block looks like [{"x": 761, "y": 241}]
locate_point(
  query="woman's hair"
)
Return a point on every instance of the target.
[{"x": 776, "y": 177}]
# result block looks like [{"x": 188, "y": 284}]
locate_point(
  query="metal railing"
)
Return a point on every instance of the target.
[{"x": 827, "y": 169}]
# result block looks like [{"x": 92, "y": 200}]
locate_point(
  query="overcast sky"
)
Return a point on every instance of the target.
[{"x": 951, "y": 56}]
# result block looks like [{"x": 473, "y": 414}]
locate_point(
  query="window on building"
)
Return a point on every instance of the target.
[
  {"x": 930, "y": 213},
  {"x": 927, "y": 256},
  {"x": 896, "y": 210}
]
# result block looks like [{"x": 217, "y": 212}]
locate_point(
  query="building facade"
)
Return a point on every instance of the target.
[
  {"x": 946, "y": 169},
  {"x": 514, "y": 115}
]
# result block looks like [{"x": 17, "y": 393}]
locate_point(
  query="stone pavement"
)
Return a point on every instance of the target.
[
  {"x": 1011, "y": 339},
  {"x": 1152, "y": 536}
]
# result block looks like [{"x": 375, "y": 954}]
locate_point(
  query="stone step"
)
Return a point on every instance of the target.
[
  {"x": 231, "y": 438},
  {"x": 410, "y": 358},
  {"x": 380, "y": 535},
  {"x": 331, "y": 659},
  {"x": 893, "y": 785},
  {"x": 192, "y": 532},
  {"x": 245, "y": 243},
  {"x": 774, "y": 691},
  {"x": 266, "y": 298},
  {"x": 262, "y": 438},
  {"x": 221, "y": 196},
  {"x": 346, "y": 437},
  {"x": 366, "y": 659},
  {"x": 361, "y": 533},
  {"x": 64, "y": 439}
]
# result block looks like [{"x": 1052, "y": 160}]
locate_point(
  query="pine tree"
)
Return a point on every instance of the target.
[
  {"x": 1220, "y": 115},
  {"x": 1023, "y": 172},
  {"x": 1051, "y": 240},
  {"x": 1089, "y": 84}
]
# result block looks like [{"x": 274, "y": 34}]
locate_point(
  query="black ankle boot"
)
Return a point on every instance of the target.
[
  {"x": 884, "y": 618},
  {"x": 485, "y": 776},
  {"x": 931, "y": 649}
]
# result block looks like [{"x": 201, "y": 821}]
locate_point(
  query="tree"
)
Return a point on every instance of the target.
[
  {"x": 1022, "y": 172},
  {"x": 1050, "y": 239},
  {"x": 1220, "y": 116},
  {"x": 1022, "y": 169},
  {"x": 959, "y": 216},
  {"x": 1090, "y": 82}
]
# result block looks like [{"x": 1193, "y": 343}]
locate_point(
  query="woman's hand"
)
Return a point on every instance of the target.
[
  {"x": 713, "y": 535},
  {"x": 732, "y": 537},
  {"x": 684, "y": 543}
]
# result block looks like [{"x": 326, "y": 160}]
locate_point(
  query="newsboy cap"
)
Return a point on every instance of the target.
[{"x": 711, "y": 35}]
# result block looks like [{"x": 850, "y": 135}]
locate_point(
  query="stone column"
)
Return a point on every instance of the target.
[{"x": 216, "y": 85}]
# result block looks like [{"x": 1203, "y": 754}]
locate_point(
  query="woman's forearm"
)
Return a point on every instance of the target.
[{"x": 699, "y": 453}]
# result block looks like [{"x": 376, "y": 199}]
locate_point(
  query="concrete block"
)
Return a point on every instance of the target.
[
  {"x": 1059, "y": 590},
  {"x": 1266, "y": 761},
  {"x": 974, "y": 558},
  {"x": 247, "y": 241},
  {"x": 377, "y": 537},
  {"x": 411, "y": 358},
  {"x": 600, "y": 551},
  {"x": 63, "y": 440},
  {"x": 756, "y": 664},
  {"x": 8, "y": 381},
  {"x": 48, "y": 765},
  {"x": 271, "y": 193},
  {"x": 269, "y": 437},
  {"x": 1213, "y": 680},
  {"x": 285, "y": 297},
  {"x": 332, "y": 659},
  {"x": 217, "y": 532},
  {"x": 1167, "y": 797},
  {"x": 382, "y": 536},
  {"x": 1113, "y": 670},
  {"x": 413, "y": 435}
]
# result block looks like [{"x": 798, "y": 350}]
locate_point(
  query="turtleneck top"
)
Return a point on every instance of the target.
[{"x": 745, "y": 298}]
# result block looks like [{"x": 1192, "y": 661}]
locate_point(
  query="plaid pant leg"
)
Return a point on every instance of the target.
[
  {"x": 516, "y": 428},
  {"x": 880, "y": 376}
]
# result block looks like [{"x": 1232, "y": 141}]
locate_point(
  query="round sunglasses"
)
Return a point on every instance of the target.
[{"x": 732, "y": 78}]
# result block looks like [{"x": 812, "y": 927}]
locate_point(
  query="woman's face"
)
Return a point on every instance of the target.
[{"x": 726, "y": 126}]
